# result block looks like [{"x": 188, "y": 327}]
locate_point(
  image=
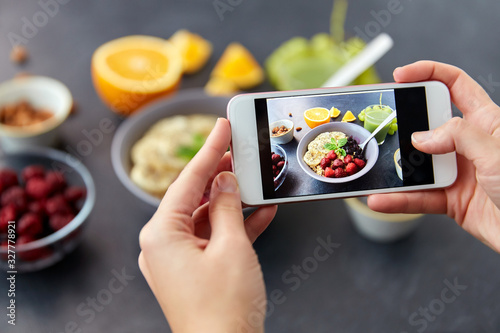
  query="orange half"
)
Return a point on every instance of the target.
[
  {"x": 316, "y": 116},
  {"x": 131, "y": 71}
]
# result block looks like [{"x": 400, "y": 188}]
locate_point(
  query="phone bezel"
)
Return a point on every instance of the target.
[{"x": 246, "y": 161}]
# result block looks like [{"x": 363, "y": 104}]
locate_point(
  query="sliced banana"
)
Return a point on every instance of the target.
[{"x": 155, "y": 155}]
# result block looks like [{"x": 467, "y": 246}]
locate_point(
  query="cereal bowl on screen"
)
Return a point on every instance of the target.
[{"x": 330, "y": 152}]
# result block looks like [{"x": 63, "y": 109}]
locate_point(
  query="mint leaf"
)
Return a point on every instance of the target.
[
  {"x": 188, "y": 152},
  {"x": 330, "y": 146},
  {"x": 341, "y": 142}
]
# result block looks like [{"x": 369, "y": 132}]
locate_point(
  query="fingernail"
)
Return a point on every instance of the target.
[
  {"x": 420, "y": 137},
  {"x": 226, "y": 182}
]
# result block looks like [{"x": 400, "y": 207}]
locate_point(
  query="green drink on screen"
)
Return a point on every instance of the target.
[{"x": 374, "y": 116}]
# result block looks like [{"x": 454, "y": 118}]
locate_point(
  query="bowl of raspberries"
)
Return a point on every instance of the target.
[
  {"x": 330, "y": 152},
  {"x": 45, "y": 198}
]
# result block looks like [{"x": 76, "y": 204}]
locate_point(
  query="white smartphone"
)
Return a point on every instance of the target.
[{"x": 291, "y": 146}]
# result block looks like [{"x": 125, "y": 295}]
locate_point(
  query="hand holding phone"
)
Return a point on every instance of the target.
[
  {"x": 293, "y": 146},
  {"x": 474, "y": 199}
]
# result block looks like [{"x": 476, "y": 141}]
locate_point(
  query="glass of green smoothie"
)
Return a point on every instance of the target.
[{"x": 374, "y": 116}]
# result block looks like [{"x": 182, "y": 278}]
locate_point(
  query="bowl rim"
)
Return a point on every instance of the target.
[
  {"x": 317, "y": 129},
  {"x": 87, "y": 207},
  {"x": 284, "y": 156},
  {"x": 30, "y": 131},
  {"x": 182, "y": 96}
]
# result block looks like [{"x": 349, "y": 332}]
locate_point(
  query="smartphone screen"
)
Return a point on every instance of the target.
[{"x": 309, "y": 168}]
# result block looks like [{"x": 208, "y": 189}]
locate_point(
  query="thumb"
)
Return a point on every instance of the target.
[
  {"x": 225, "y": 211},
  {"x": 463, "y": 137}
]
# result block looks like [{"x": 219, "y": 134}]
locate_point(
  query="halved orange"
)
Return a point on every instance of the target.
[
  {"x": 316, "y": 116},
  {"x": 131, "y": 71}
]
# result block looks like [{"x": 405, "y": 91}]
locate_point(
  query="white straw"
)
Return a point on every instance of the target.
[{"x": 361, "y": 62}]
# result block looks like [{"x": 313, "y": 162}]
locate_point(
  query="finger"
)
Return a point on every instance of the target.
[
  {"x": 466, "y": 139},
  {"x": 425, "y": 202},
  {"x": 466, "y": 93},
  {"x": 225, "y": 164},
  {"x": 185, "y": 194},
  {"x": 225, "y": 212},
  {"x": 259, "y": 220}
]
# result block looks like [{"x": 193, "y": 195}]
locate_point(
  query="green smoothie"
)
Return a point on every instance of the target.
[{"x": 374, "y": 116}]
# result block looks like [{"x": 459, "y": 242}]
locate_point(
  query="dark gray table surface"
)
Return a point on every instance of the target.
[{"x": 362, "y": 286}]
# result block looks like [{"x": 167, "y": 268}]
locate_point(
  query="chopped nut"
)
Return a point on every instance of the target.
[
  {"x": 290, "y": 114},
  {"x": 299, "y": 129},
  {"x": 22, "y": 114},
  {"x": 19, "y": 54},
  {"x": 74, "y": 108},
  {"x": 280, "y": 130}
]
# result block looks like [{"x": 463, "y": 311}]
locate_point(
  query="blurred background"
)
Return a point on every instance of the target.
[{"x": 363, "y": 286}]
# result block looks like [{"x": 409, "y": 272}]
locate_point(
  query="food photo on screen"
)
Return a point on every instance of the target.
[{"x": 315, "y": 144}]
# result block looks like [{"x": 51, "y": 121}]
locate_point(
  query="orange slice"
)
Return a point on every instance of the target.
[
  {"x": 217, "y": 86},
  {"x": 195, "y": 50},
  {"x": 131, "y": 71},
  {"x": 334, "y": 112},
  {"x": 348, "y": 117},
  {"x": 238, "y": 65},
  {"x": 316, "y": 116}
]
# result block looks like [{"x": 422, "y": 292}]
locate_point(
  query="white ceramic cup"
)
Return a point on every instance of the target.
[{"x": 380, "y": 227}]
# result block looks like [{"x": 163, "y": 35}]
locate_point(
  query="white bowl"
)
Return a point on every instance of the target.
[
  {"x": 397, "y": 160},
  {"x": 380, "y": 227},
  {"x": 41, "y": 92},
  {"x": 283, "y": 138},
  {"x": 357, "y": 132}
]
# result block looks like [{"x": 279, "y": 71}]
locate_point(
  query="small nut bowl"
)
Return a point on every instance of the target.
[
  {"x": 43, "y": 93},
  {"x": 285, "y": 137},
  {"x": 46, "y": 251}
]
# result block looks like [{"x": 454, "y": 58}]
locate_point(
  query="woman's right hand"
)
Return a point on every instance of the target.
[{"x": 474, "y": 199}]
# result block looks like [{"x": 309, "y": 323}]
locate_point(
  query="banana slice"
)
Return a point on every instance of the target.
[{"x": 153, "y": 180}]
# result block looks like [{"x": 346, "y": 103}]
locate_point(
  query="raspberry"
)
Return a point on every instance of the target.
[
  {"x": 32, "y": 171},
  {"x": 338, "y": 163},
  {"x": 276, "y": 158},
  {"x": 329, "y": 172},
  {"x": 57, "y": 205},
  {"x": 360, "y": 163},
  {"x": 331, "y": 155},
  {"x": 30, "y": 224},
  {"x": 15, "y": 196},
  {"x": 280, "y": 164},
  {"x": 348, "y": 159},
  {"x": 59, "y": 221},
  {"x": 7, "y": 213},
  {"x": 56, "y": 180},
  {"x": 351, "y": 168},
  {"x": 38, "y": 188},
  {"x": 325, "y": 162},
  {"x": 8, "y": 178},
  {"x": 37, "y": 207},
  {"x": 339, "y": 173}
]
